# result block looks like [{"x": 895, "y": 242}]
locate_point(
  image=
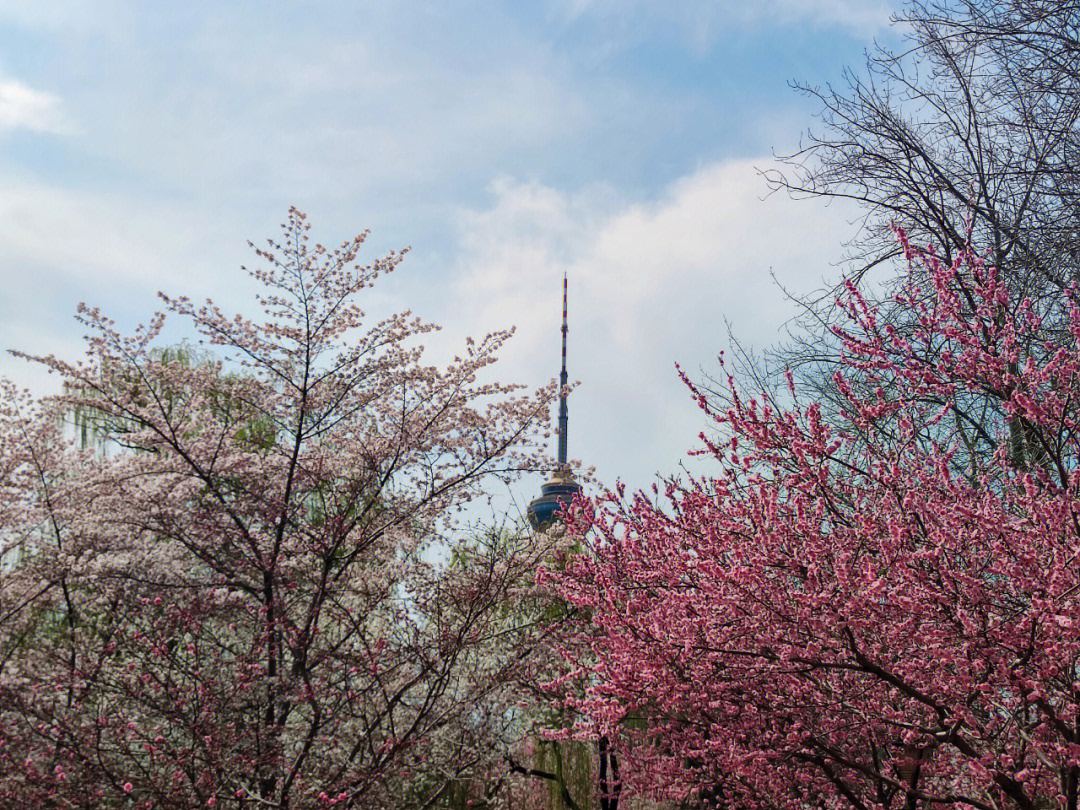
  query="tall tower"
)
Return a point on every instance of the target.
[{"x": 560, "y": 489}]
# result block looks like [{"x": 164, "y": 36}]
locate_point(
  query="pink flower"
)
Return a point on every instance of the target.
[{"x": 846, "y": 573}]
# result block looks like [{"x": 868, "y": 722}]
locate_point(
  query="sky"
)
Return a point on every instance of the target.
[{"x": 618, "y": 141}]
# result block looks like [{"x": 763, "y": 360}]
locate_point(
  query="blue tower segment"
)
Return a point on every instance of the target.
[
  {"x": 558, "y": 492},
  {"x": 555, "y": 495}
]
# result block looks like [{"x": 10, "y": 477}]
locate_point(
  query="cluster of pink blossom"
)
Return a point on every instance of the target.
[{"x": 841, "y": 617}]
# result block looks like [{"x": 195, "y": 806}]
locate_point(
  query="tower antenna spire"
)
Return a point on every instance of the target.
[{"x": 562, "y": 384}]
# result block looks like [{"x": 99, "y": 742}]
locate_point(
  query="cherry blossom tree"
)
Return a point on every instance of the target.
[
  {"x": 841, "y": 622},
  {"x": 240, "y": 594}
]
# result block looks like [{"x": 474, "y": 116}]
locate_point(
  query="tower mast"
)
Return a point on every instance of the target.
[{"x": 562, "y": 384}]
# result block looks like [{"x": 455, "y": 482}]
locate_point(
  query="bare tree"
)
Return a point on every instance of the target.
[{"x": 968, "y": 134}]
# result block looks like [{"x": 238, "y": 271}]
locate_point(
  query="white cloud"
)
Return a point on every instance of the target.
[
  {"x": 61, "y": 247},
  {"x": 700, "y": 23},
  {"x": 338, "y": 115},
  {"x": 84, "y": 16},
  {"x": 22, "y": 107},
  {"x": 651, "y": 284},
  {"x": 709, "y": 236},
  {"x": 95, "y": 238},
  {"x": 860, "y": 16}
]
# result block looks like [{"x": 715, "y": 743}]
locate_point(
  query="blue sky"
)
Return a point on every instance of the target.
[{"x": 142, "y": 144}]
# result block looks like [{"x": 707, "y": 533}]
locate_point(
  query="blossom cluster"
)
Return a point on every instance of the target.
[{"x": 842, "y": 616}]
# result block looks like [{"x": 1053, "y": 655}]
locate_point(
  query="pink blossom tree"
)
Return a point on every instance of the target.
[
  {"x": 838, "y": 618},
  {"x": 236, "y": 596}
]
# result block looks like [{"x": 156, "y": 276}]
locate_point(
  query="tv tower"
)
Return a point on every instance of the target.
[{"x": 559, "y": 491}]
